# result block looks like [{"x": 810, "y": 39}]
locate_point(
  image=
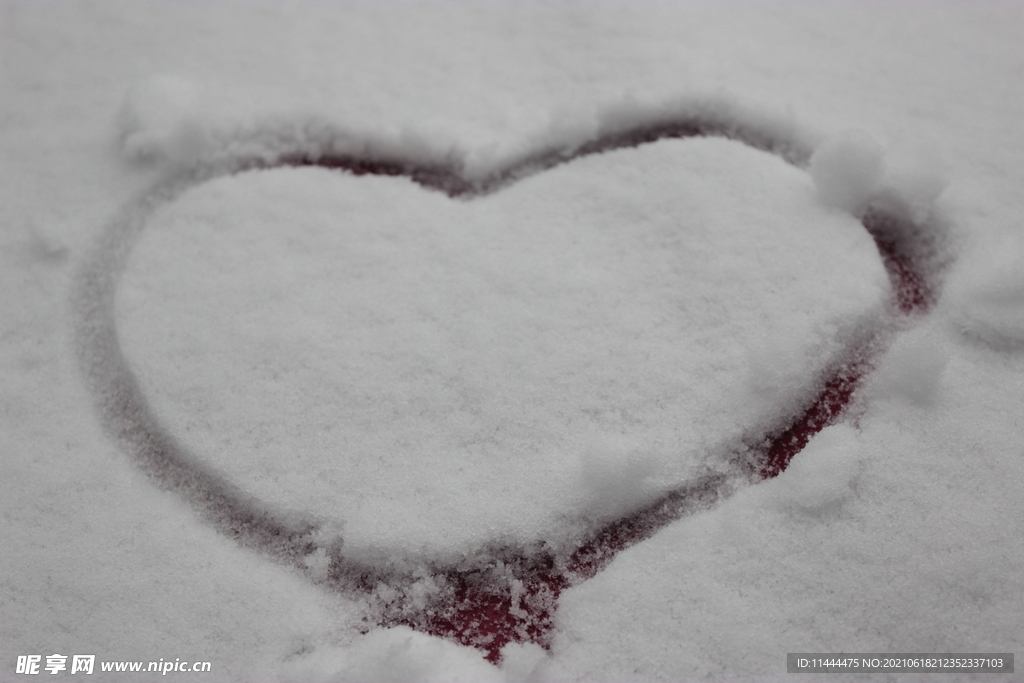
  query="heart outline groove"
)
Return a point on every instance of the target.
[{"x": 500, "y": 594}]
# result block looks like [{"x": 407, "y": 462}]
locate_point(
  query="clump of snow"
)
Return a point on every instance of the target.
[
  {"x": 402, "y": 655},
  {"x": 852, "y": 171},
  {"x": 396, "y": 655},
  {"x": 985, "y": 294},
  {"x": 821, "y": 476},
  {"x": 915, "y": 176},
  {"x": 847, "y": 171},
  {"x": 35, "y": 245},
  {"x": 912, "y": 368},
  {"x": 616, "y": 474},
  {"x": 519, "y": 661},
  {"x": 318, "y": 563},
  {"x": 162, "y": 119}
]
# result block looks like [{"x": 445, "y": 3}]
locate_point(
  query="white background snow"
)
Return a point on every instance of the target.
[{"x": 900, "y": 531}]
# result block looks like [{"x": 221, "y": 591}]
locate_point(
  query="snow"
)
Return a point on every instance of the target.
[
  {"x": 397, "y": 655},
  {"x": 821, "y": 476},
  {"x": 393, "y": 347},
  {"x": 160, "y": 120},
  {"x": 986, "y": 298},
  {"x": 852, "y": 172},
  {"x": 401, "y": 655},
  {"x": 913, "y": 368},
  {"x": 897, "y": 530},
  {"x": 847, "y": 171}
]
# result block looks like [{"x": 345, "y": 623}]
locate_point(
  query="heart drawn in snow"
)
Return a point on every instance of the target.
[{"x": 463, "y": 401}]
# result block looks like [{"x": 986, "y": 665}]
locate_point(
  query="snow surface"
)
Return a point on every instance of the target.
[
  {"x": 898, "y": 530},
  {"x": 565, "y": 349}
]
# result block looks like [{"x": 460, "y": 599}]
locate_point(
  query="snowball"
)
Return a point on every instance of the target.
[
  {"x": 395, "y": 655},
  {"x": 161, "y": 120},
  {"x": 912, "y": 369},
  {"x": 915, "y": 176},
  {"x": 847, "y": 171},
  {"x": 821, "y": 476}
]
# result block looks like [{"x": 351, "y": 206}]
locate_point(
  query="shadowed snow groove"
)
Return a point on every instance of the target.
[{"x": 500, "y": 594}]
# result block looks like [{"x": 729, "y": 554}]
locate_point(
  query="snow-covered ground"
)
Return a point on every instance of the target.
[{"x": 365, "y": 353}]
